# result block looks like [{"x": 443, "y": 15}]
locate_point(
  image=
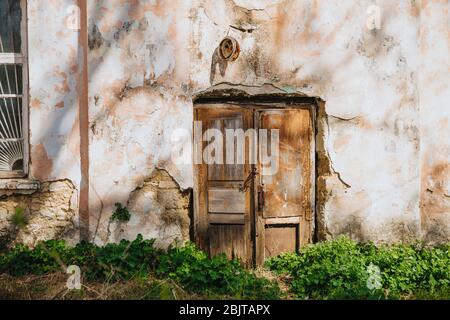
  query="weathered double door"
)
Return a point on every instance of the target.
[{"x": 261, "y": 206}]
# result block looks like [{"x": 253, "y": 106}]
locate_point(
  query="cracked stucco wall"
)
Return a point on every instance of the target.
[
  {"x": 54, "y": 63},
  {"x": 138, "y": 95},
  {"x": 368, "y": 80},
  {"x": 434, "y": 93},
  {"x": 385, "y": 147},
  {"x": 159, "y": 210}
]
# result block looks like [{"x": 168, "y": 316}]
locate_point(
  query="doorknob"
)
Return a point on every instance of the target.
[{"x": 248, "y": 182}]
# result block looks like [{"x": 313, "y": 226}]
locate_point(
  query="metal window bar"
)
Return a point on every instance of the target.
[{"x": 11, "y": 90}]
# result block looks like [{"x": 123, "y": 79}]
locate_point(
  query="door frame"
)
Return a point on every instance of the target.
[{"x": 259, "y": 102}]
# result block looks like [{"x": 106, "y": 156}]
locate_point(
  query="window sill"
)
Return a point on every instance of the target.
[
  {"x": 12, "y": 175},
  {"x": 18, "y": 186}
]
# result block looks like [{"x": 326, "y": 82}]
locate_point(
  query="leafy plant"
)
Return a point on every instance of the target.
[
  {"x": 339, "y": 269},
  {"x": 19, "y": 218},
  {"x": 121, "y": 214},
  {"x": 335, "y": 269},
  {"x": 218, "y": 276},
  {"x": 124, "y": 261},
  {"x": 22, "y": 260}
]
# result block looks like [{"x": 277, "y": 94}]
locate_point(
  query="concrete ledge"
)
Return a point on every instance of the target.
[{"x": 26, "y": 185}]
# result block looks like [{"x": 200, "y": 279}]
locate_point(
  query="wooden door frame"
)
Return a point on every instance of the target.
[{"x": 260, "y": 102}]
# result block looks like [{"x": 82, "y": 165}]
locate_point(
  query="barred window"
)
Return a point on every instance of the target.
[{"x": 13, "y": 89}]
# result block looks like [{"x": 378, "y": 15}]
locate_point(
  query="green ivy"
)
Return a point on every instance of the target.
[{"x": 339, "y": 269}]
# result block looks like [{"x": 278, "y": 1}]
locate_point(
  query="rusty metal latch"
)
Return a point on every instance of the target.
[
  {"x": 261, "y": 198},
  {"x": 248, "y": 182}
]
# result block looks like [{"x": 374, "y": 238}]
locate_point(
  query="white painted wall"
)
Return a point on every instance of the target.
[{"x": 386, "y": 94}]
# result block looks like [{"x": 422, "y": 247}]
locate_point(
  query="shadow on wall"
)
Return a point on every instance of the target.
[{"x": 371, "y": 46}]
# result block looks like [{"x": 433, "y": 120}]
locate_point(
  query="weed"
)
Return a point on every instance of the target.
[{"x": 121, "y": 214}]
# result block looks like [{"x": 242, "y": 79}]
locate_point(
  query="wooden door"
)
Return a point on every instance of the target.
[
  {"x": 286, "y": 198},
  {"x": 274, "y": 214},
  {"x": 224, "y": 211}
]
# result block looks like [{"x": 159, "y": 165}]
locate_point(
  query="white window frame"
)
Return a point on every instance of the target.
[{"x": 22, "y": 59}]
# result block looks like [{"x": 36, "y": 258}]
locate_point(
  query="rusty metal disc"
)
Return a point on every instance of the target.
[{"x": 229, "y": 49}]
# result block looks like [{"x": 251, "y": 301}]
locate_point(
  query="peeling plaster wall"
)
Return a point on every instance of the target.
[
  {"x": 371, "y": 185},
  {"x": 138, "y": 95},
  {"x": 369, "y": 82},
  {"x": 159, "y": 210},
  {"x": 385, "y": 146},
  {"x": 435, "y": 121},
  {"x": 52, "y": 211},
  {"x": 54, "y": 65}
]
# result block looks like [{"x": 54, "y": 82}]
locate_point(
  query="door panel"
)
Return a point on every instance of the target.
[
  {"x": 226, "y": 172},
  {"x": 287, "y": 193},
  {"x": 278, "y": 239},
  {"x": 229, "y": 240},
  {"x": 287, "y": 206},
  {"x": 226, "y": 200},
  {"x": 225, "y": 211},
  {"x": 223, "y": 219}
]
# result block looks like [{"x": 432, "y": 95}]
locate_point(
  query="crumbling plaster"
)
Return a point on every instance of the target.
[
  {"x": 385, "y": 144},
  {"x": 159, "y": 210},
  {"x": 49, "y": 213},
  {"x": 49, "y": 194},
  {"x": 369, "y": 82},
  {"x": 54, "y": 65}
]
